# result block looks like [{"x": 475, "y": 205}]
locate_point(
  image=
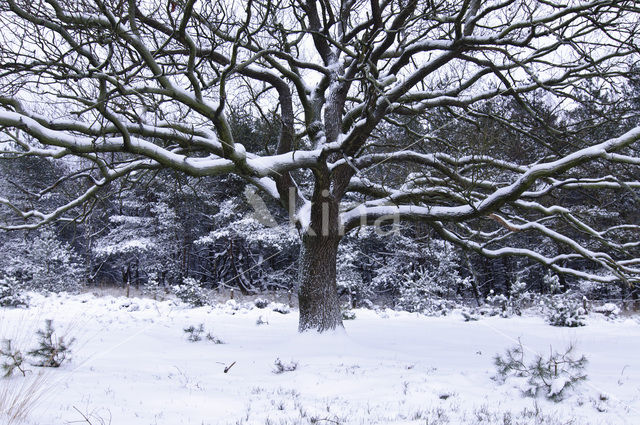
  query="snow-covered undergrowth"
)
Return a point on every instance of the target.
[{"x": 132, "y": 364}]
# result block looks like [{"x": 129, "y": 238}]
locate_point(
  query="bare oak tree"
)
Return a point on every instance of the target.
[{"x": 115, "y": 88}]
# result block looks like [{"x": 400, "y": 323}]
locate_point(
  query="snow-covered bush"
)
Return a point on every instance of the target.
[
  {"x": 49, "y": 264},
  {"x": 415, "y": 299},
  {"x": 231, "y": 306},
  {"x": 412, "y": 298},
  {"x": 599, "y": 290},
  {"x": 348, "y": 315},
  {"x": 552, "y": 282},
  {"x": 470, "y": 316},
  {"x": 549, "y": 376},
  {"x": 566, "y": 312},
  {"x": 52, "y": 350},
  {"x": 610, "y": 310},
  {"x": 500, "y": 303},
  {"x": 518, "y": 288},
  {"x": 426, "y": 288},
  {"x": 10, "y": 295},
  {"x": 11, "y": 358},
  {"x": 154, "y": 288},
  {"x": 507, "y": 306},
  {"x": 280, "y": 308},
  {"x": 261, "y": 303},
  {"x": 282, "y": 367},
  {"x": 440, "y": 307},
  {"x": 190, "y": 292}
]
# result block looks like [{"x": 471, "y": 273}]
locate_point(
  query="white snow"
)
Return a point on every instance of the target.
[
  {"x": 132, "y": 365},
  {"x": 303, "y": 216},
  {"x": 557, "y": 385}
]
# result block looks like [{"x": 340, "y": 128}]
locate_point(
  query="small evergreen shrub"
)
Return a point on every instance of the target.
[
  {"x": 469, "y": 316},
  {"x": 190, "y": 292},
  {"x": 12, "y": 359},
  {"x": 552, "y": 282},
  {"x": 261, "y": 303},
  {"x": 194, "y": 333},
  {"x": 153, "y": 287},
  {"x": 212, "y": 338},
  {"x": 348, "y": 315},
  {"x": 50, "y": 264},
  {"x": 549, "y": 376},
  {"x": 505, "y": 306},
  {"x": 282, "y": 367},
  {"x": 566, "y": 313},
  {"x": 281, "y": 308},
  {"x": 10, "y": 293},
  {"x": 609, "y": 310},
  {"x": 52, "y": 351},
  {"x": 429, "y": 289}
]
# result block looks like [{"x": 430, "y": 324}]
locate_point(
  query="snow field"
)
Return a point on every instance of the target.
[{"x": 132, "y": 364}]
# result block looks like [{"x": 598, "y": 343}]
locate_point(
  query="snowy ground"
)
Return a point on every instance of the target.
[{"x": 132, "y": 365}]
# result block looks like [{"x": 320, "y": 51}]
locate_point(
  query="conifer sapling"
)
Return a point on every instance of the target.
[{"x": 52, "y": 350}]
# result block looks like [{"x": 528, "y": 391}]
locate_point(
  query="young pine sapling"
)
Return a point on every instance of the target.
[
  {"x": 52, "y": 350},
  {"x": 12, "y": 359}
]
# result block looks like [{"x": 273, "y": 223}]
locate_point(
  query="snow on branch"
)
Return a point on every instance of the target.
[{"x": 500, "y": 196}]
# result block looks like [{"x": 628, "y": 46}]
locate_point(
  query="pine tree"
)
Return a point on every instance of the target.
[{"x": 47, "y": 263}]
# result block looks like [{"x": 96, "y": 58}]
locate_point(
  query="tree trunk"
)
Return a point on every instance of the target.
[{"x": 317, "y": 292}]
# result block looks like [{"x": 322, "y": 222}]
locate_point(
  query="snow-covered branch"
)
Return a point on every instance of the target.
[{"x": 447, "y": 113}]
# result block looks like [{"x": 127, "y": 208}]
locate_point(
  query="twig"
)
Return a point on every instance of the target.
[{"x": 226, "y": 369}]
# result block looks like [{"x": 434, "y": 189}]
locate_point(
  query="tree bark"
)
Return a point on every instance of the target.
[{"x": 317, "y": 292}]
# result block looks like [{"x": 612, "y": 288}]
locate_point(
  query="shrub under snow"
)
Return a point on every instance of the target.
[
  {"x": 549, "y": 376},
  {"x": 10, "y": 293},
  {"x": 282, "y": 367},
  {"x": 190, "y": 292},
  {"x": 261, "y": 302},
  {"x": 281, "y": 308},
  {"x": 609, "y": 309},
  {"x": 49, "y": 264},
  {"x": 567, "y": 313},
  {"x": 429, "y": 289},
  {"x": 348, "y": 315}
]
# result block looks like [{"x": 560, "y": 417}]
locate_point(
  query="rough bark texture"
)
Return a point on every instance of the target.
[
  {"x": 317, "y": 293},
  {"x": 317, "y": 290}
]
